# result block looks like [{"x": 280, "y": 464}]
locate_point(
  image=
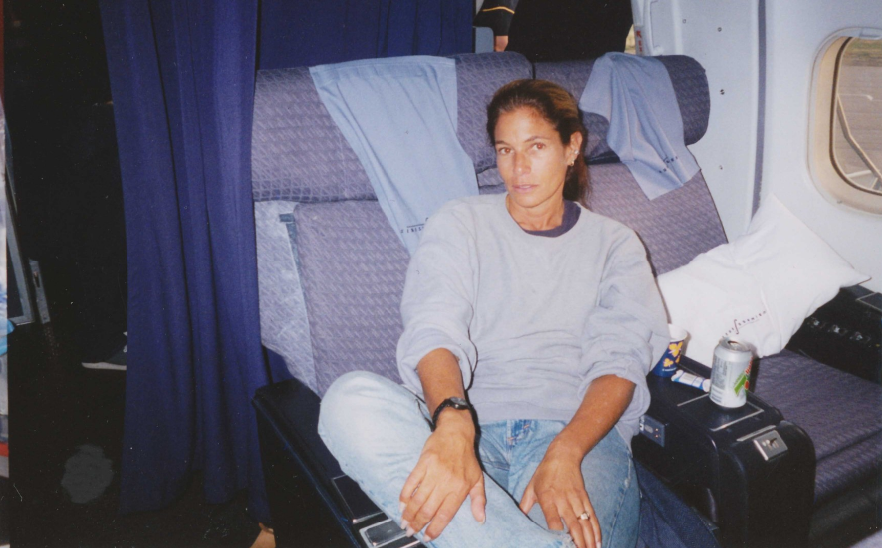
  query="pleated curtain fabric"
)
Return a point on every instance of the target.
[{"x": 182, "y": 76}]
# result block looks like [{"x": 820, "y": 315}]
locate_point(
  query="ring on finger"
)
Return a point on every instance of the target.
[{"x": 585, "y": 516}]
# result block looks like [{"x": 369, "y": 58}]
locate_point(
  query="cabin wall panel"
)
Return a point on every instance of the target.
[
  {"x": 723, "y": 37},
  {"x": 798, "y": 33}
]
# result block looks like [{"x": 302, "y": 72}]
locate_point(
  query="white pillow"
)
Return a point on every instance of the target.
[{"x": 757, "y": 289}]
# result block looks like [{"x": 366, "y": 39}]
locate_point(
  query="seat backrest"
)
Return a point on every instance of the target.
[
  {"x": 331, "y": 269},
  {"x": 674, "y": 227}
]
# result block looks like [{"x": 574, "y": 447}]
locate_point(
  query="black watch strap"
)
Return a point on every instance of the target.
[{"x": 454, "y": 402}]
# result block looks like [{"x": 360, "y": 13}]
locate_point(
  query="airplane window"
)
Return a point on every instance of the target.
[{"x": 856, "y": 121}]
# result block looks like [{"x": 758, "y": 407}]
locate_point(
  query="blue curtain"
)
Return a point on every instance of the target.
[
  {"x": 313, "y": 32},
  {"x": 182, "y": 78},
  {"x": 182, "y": 75}
]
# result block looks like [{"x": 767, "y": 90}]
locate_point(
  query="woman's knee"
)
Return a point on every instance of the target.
[
  {"x": 358, "y": 408},
  {"x": 351, "y": 398}
]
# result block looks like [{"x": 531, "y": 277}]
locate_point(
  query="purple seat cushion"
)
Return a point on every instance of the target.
[
  {"x": 674, "y": 228},
  {"x": 839, "y": 412},
  {"x": 352, "y": 270}
]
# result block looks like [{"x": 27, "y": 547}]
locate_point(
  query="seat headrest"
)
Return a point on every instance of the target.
[
  {"x": 478, "y": 76},
  {"x": 299, "y": 154},
  {"x": 690, "y": 86},
  {"x": 297, "y": 151}
]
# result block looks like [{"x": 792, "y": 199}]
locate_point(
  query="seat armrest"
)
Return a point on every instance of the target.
[
  {"x": 710, "y": 456},
  {"x": 289, "y": 411},
  {"x": 293, "y": 409}
]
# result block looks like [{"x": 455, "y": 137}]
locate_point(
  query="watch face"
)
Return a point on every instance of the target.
[{"x": 459, "y": 404}]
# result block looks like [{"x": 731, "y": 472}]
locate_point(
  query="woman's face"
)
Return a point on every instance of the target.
[{"x": 531, "y": 158}]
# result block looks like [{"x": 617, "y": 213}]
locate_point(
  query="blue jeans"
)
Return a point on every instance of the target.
[{"x": 376, "y": 429}]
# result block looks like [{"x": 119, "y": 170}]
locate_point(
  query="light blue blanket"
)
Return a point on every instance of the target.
[
  {"x": 645, "y": 126},
  {"x": 400, "y": 115}
]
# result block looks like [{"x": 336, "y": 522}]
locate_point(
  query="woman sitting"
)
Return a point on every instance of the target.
[{"x": 530, "y": 324}]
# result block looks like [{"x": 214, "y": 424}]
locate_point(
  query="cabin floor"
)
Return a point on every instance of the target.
[
  {"x": 66, "y": 422},
  {"x": 66, "y": 429}
]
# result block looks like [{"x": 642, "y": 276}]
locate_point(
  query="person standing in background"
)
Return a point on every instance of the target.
[
  {"x": 68, "y": 184},
  {"x": 557, "y": 30},
  {"x": 497, "y": 14}
]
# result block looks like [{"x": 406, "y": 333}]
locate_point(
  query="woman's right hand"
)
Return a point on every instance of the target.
[{"x": 447, "y": 472}]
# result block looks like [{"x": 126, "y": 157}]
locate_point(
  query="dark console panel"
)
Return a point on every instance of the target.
[
  {"x": 747, "y": 471},
  {"x": 845, "y": 333}
]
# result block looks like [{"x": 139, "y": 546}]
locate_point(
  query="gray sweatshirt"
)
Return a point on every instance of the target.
[{"x": 532, "y": 320}]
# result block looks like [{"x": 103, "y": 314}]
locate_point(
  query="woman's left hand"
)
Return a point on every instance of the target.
[{"x": 558, "y": 487}]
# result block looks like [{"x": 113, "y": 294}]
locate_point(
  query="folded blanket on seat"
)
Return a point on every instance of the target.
[
  {"x": 645, "y": 128},
  {"x": 399, "y": 115}
]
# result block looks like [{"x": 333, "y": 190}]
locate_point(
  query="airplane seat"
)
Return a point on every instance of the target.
[
  {"x": 839, "y": 412},
  {"x": 674, "y": 227},
  {"x": 331, "y": 272}
]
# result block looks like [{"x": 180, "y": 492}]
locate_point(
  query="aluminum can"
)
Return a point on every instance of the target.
[{"x": 730, "y": 377}]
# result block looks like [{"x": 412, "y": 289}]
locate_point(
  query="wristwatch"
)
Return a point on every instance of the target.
[{"x": 454, "y": 402}]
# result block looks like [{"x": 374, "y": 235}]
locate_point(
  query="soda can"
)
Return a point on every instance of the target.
[{"x": 730, "y": 377}]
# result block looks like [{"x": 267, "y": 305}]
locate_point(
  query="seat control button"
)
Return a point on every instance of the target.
[{"x": 770, "y": 444}]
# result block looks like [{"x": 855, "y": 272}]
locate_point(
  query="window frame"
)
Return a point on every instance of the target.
[{"x": 826, "y": 174}]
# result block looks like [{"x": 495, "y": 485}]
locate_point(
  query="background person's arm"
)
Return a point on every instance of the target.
[
  {"x": 448, "y": 468},
  {"x": 497, "y": 14}
]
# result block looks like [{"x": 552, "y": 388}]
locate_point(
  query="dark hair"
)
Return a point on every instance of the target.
[{"x": 558, "y": 108}]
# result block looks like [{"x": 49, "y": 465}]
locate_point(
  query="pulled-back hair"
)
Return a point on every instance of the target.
[{"x": 558, "y": 108}]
